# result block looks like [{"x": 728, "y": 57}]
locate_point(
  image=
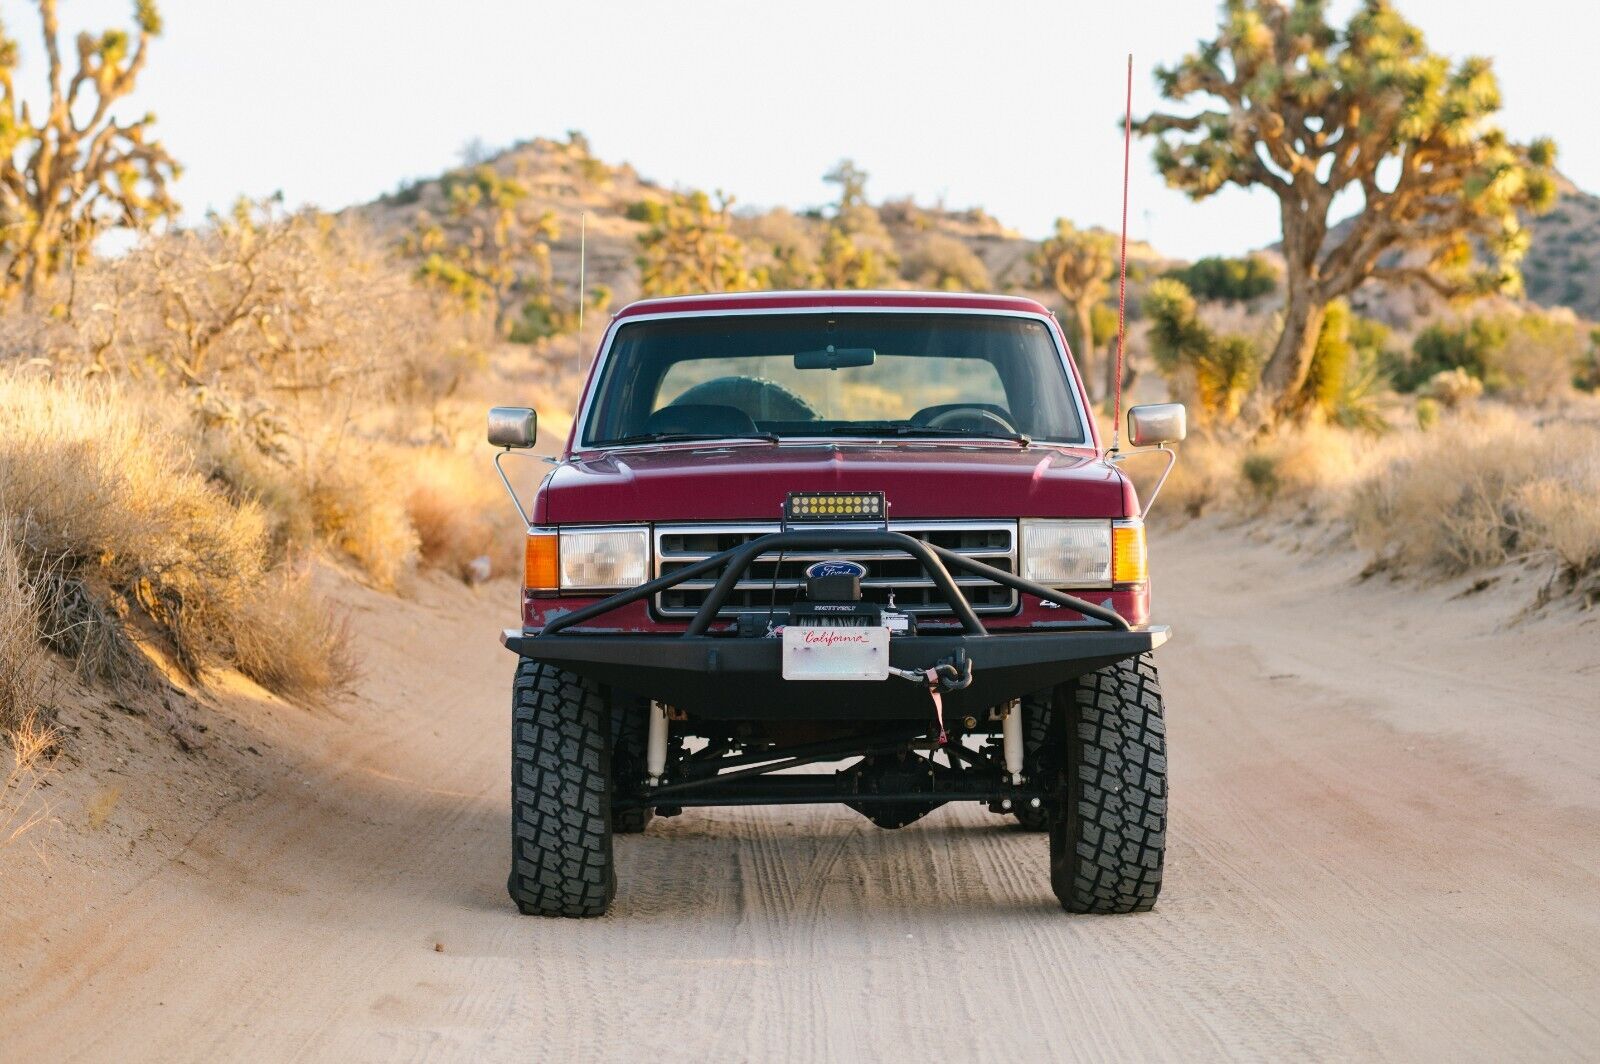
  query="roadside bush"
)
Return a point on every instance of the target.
[
  {"x": 1478, "y": 491},
  {"x": 1224, "y": 279},
  {"x": 291, "y": 641},
  {"x": 122, "y": 538},
  {"x": 943, "y": 262},
  {"x": 1215, "y": 373},
  {"x": 21, "y": 655},
  {"x": 1472, "y": 347},
  {"x": 1205, "y": 478},
  {"x": 1529, "y": 358},
  {"x": 459, "y": 515},
  {"x": 1453, "y": 388}
]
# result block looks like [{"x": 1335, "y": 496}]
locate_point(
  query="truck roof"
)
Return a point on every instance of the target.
[{"x": 726, "y": 301}]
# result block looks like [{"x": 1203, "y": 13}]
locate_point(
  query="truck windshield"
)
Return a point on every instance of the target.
[{"x": 834, "y": 374}]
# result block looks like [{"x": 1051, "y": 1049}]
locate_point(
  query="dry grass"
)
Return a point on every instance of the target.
[
  {"x": 1482, "y": 490},
  {"x": 459, "y": 512},
  {"x": 291, "y": 640},
  {"x": 115, "y": 529},
  {"x": 1487, "y": 485},
  {"x": 28, "y": 753},
  {"x": 109, "y": 493},
  {"x": 22, "y": 661}
]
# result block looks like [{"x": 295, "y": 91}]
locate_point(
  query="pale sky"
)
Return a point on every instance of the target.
[{"x": 1010, "y": 105}]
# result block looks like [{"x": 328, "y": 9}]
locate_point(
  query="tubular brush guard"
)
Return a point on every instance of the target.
[{"x": 722, "y": 676}]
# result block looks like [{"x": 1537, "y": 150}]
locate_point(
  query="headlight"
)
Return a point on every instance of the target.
[
  {"x": 604, "y": 559},
  {"x": 1067, "y": 553}
]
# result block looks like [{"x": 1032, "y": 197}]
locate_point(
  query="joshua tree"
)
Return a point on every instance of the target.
[
  {"x": 1078, "y": 263},
  {"x": 689, "y": 247},
  {"x": 857, "y": 251},
  {"x": 72, "y": 170},
  {"x": 1284, "y": 100},
  {"x": 489, "y": 247}
]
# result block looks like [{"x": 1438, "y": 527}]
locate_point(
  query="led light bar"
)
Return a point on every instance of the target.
[{"x": 800, "y": 507}]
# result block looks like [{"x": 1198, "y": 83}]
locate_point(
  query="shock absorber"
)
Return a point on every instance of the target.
[
  {"x": 655, "y": 750},
  {"x": 1011, "y": 740}
]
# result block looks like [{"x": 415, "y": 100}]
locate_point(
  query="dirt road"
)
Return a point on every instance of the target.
[{"x": 1385, "y": 843}]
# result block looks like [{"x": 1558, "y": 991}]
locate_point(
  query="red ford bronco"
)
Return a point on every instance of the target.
[{"x": 879, "y": 528}]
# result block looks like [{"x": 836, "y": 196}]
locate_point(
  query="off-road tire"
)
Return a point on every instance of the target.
[
  {"x": 1036, "y": 718},
  {"x": 561, "y": 860},
  {"x": 1108, "y": 839},
  {"x": 630, "y": 734}
]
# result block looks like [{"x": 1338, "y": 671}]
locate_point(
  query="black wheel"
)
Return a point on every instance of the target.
[
  {"x": 630, "y": 733},
  {"x": 1108, "y": 840},
  {"x": 1036, "y": 719},
  {"x": 561, "y": 861}
]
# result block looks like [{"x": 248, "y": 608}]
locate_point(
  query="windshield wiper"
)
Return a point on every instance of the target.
[
  {"x": 686, "y": 437},
  {"x": 917, "y": 430}
]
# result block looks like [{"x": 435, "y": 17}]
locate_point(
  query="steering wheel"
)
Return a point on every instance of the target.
[
  {"x": 758, "y": 397},
  {"x": 971, "y": 418}
]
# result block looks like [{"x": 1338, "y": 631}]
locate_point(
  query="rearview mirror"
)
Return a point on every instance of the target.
[
  {"x": 518, "y": 426},
  {"x": 1154, "y": 424},
  {"x": 835, "y": 358}
]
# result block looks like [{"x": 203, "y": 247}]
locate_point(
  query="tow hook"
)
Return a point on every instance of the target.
[{"x": 947, "y": 674}]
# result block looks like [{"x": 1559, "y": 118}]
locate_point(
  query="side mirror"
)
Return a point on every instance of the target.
[
  {"x": 518, "y": 426},
  {"x": 1154, "y": 424}
]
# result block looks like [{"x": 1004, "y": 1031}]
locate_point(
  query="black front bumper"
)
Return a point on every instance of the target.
[{"x": 730, "y": 678}]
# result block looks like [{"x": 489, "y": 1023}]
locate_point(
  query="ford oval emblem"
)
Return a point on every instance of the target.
[{"x": 843, "y": 568}]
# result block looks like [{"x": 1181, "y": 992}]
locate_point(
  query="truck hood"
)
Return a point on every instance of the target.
[{"x": 748, "y": 482}]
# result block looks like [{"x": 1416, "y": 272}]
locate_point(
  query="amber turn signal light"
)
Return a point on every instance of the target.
[
  {"x": 541, "y": 570},
  {"x": 1129, "y": 564}
]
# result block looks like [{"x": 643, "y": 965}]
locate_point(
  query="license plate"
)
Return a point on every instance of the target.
[{"x": 835, "y": 653}]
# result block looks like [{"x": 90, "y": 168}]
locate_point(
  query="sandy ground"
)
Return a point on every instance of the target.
[{"x": 1385, "y": 843}]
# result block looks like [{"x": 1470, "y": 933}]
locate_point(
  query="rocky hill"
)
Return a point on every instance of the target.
[
  {"x": 1563, "y": 265},
  {"x": 929, "y": 242},
  {"x": 569, "y": 181}
]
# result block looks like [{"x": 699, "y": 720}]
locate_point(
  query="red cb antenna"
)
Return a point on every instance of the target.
[{"x": 1122, "y": 282}]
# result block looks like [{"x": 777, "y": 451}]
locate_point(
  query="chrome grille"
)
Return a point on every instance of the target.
[{"x": 991, "y": 542}]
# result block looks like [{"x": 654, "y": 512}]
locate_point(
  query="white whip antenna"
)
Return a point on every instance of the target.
[{"x": 583, "y": 268}]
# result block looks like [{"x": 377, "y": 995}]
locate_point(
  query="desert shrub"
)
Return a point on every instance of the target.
[
  {"x": 361, "y": 512},
  {"x": 1226, "y": 279},
  {"x": 1310, "y": 465},
  {"x": 103, "y": 490},
  {"x": 119, "y": 534},
  {"x": 272, "y": 342},
  {"x": 290, "y": 640},
  {"x": 1540, "y": 359},
  {"x": 27, "y": 758},
  {"x": 1427, "y": 412},
  {"x": 458, "y": 513},
  {"x": 1478, "y": 491},
  {"x": 1561, "y": 515},
  {"x": 1204, "y": 478},
  {"x": 1215, "y": 372},
  {"x": 1473, "y": 347},
  {"x": 21, "y": 655},
  {"x": 1260, "y": 471},
  {"x": 939, "y": 261},
  {"x": 1453, "y": 388},
  {"x": 1531, "y": 357}
]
